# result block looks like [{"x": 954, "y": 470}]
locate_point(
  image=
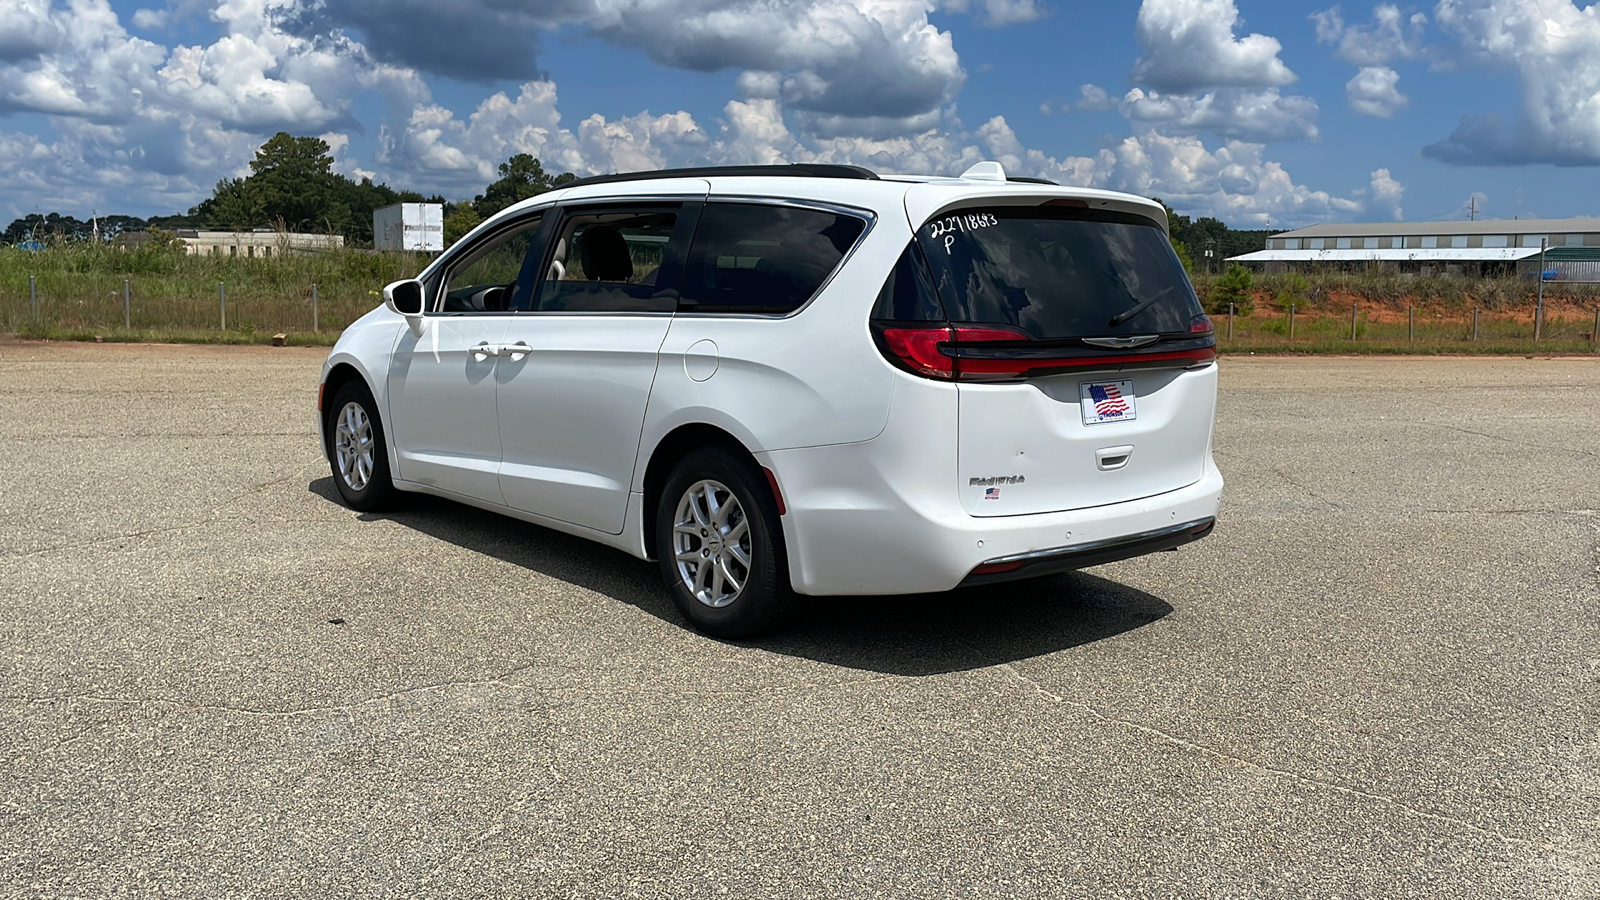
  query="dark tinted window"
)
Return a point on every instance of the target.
[
  {"x": 907, "y": 295},
  {"x": 612, "y": 260},
  {"x": 761, "y": 258},
  {"x": 1058, "y": 273}
]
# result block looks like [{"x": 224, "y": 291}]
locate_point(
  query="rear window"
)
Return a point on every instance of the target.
[
  {"x": 763, "y": 258},
  {"x": 1058, "y": 273}
]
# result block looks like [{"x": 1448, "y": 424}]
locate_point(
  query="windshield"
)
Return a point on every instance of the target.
[{"x": 1058, "y": 273}]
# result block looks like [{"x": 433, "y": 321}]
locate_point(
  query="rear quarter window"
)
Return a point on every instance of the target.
[{"x": 763, "y": 258}]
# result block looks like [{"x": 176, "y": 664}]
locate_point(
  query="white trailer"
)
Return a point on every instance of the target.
[{"x": 409, "y": 226}]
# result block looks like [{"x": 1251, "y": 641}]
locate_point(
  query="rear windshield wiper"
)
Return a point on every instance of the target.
[{"x": 1124, "y": 316}]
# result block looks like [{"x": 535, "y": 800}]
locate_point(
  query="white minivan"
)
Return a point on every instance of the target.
[{"x": 798, "y": 380}]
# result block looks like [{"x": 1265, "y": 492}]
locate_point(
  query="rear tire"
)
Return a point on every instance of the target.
[
  {"x": 359, "y": 454},
  {"x": 720, "y": 545}
]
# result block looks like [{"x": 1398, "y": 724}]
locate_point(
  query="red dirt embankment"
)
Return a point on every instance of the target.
[{"x": 1387, "y": 312}]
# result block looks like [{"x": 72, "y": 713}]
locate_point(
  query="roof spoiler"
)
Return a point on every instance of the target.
[{"x": 989, "y": 170}]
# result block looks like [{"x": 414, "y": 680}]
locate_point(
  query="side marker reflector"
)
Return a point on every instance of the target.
[{"x": 772, "y": 482}]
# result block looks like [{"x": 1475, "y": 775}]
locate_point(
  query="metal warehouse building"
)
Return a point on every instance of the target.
[{"x": 1490, "y": 247}]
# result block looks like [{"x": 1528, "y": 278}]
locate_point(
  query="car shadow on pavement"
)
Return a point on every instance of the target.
[{"x": 915, "y": 634}]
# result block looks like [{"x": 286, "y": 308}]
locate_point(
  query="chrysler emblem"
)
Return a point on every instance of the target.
[{"x": 1123, "y": 343}]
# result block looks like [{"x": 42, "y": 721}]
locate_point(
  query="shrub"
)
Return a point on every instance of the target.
[{"x": 1233, "y": 286}]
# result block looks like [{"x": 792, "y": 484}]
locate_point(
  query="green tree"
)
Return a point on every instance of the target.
[
  {"x": 232, "y": 204},
  {"x": 1183, "y": 257},
  {"x": 292, "y": 180},
  {"x": 522, "y": 176},
  {"x": 292, "y": 184},
  {"x": 459, "y": 219}
]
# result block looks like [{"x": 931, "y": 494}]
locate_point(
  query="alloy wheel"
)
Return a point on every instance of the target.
[
  {"x": 353, "y": 446},
  {"x": 711, "y": 543}
]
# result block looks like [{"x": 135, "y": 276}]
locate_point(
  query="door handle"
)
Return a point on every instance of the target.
[
  {"x": 485, "y": 350},
  {"x": 1113, "y": 458},
  {"x": 516, "y": 351}
]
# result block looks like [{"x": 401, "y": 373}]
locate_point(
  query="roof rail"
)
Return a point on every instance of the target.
[
  {"x": 1023, "y": 179},
  {"x": 794, "y": 170}
]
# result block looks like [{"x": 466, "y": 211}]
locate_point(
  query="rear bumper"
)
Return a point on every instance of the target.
[
  {"x": 1081, "y": 556},
  {"x": 858, "y": 525}
]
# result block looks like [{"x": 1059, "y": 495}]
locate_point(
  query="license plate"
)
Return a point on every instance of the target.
[{"x": 1107, "y": 401}]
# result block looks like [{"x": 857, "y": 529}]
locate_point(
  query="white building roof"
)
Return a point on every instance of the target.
[
  {"x": 1446, "y": 254},
  {"x": 1482, "y": 226}
]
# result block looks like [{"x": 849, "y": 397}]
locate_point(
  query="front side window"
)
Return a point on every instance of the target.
[
  {"x": 612, "y": 259},
  {"x": 484, "y": 279},
  {"x": 764, "y": 258}
]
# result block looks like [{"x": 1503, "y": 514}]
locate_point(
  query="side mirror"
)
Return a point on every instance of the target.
[{"x": 406, "y": 297}]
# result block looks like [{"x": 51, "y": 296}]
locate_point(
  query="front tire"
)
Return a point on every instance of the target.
[
  {"x": 360, "y": 456},
  {"x": 720, "y": 545}
]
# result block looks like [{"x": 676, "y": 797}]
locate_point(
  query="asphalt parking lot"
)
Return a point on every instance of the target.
[{"x": 1379, "y": 677}]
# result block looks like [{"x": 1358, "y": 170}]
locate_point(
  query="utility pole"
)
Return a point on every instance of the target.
[{"x": 1472, "y": 208}]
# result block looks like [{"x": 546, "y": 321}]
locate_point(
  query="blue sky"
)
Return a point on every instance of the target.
[{"x": 1263, "y": 114}]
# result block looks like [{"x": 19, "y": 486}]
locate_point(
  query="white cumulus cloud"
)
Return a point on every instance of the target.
[
  {"x": 1392, "y": 34},
  {"x": 1386, "y": 195},
  {"x": 1230, "y": 113},
  {"x": 1553, "y": 47},
  {"x": 1095, "y": 99},
  {"x": 1196, "y": 76},
  {"x": 1375, "y": 92},
  {"x": 1189, "y": 46}
]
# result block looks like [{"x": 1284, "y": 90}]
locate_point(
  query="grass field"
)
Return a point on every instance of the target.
[
  {"x": 77, "y": 294},
  {"x": 78, "y": 291}
]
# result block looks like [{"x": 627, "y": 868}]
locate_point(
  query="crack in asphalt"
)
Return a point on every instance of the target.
[
  {"x": 1309, "y": 492},
  {"x": 497, "y": 681},
  {"x": 1496, "y": 437},
  {"x": 1296, "y": 777},
  {"x": 154, "y": 435},
  {"x": 1511, "y": 512},
  {"x": 210, "y": 520}
]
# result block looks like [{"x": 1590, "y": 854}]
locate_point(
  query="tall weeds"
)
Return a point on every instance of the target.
[{"x": 81, "y": 286}]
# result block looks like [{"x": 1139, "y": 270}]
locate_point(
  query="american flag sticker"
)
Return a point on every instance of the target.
[
  {"x": 991, "y": 493},
  {"x": 1108, "y": 401}
]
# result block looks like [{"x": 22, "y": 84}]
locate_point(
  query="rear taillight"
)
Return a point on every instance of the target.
[
  {"x": 1200, "y": 324},
  {"x": 917, "y": 350},
  {"x": 974, "y": 353},
  {"x": 931, "y": 351}
]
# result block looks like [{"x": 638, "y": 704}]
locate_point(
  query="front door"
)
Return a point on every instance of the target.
[
  {"x": 442, "y": 405},
  {"x": 442, "y": 385},
  {"x": 575, "y": 371}
]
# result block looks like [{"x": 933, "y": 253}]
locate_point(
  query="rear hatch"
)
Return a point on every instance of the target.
[{"x": 1082, "y": 358}]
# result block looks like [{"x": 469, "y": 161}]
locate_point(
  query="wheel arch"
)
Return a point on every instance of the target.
[
  {"x": 339, "y": 375},
  {"x": 674, "y": 446}
]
